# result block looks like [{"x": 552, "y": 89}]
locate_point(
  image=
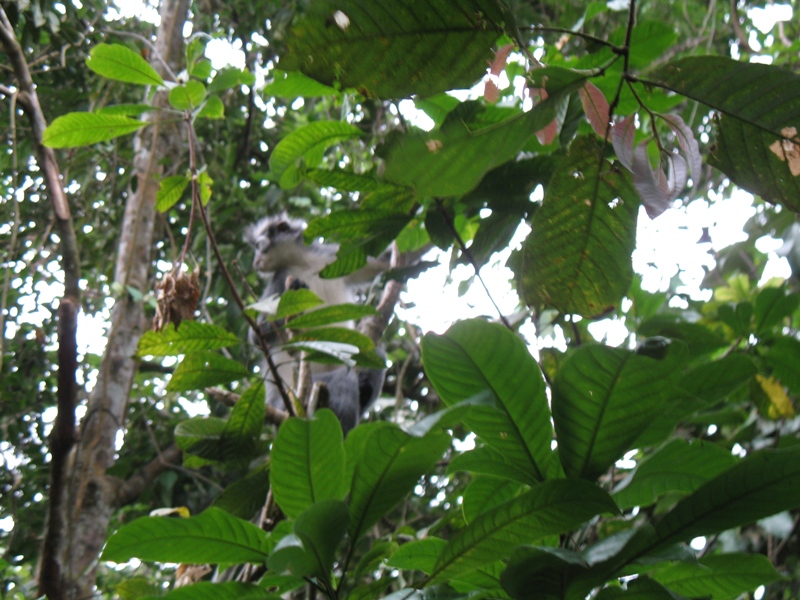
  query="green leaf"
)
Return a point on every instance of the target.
[
  {"x": 577, "y": 257},
  {"x": 784, "y": 357},
  {"x": 543, "y": 569},
  {"x": 212, "y": 109},
  {"x": 330, "y": 315},
  {"x": 187, "y": 96},
  {"x": 225, "y": 79},
  {"x": 170, "y": 190},
  {"x": 362, "y": 233},
  {"x": 641, "y": 588},
  {"x": 772, "y": 306},
  {"x": 420, "y": 555},
  {"x": 473, "y": 356},
  {"x": 679, "y": 466},
  {"x": 201, "y": 69},
  {"x": 245, "y": 497},
  {"x": 296, "y": 85},
  {"x": 489, "y": 461},
  {"x": 204, "y": 369},
  {"x": 758, "y": 161},
  {"x": 347, "y": 181},
  {"x": 307, "y": 462},
  {"x": 130, "y": 110},
  {"x": 318, "y": 531},
  {"x": 395, "y": 49},
  {"x": 211, "y": 537},
  {"x": 451, "y": 161},
  {"x": 551, "y": 507},
  {"x": 603, "y": 397},
  {"x": 387, "y": 465},
  {"x": 81, "y": 129},
  {"x": 719, "y": 577},
  {"x": 118, "y": 62},
  {"x": 134, "y": 588},
  {"x": 309, "y": 142},
  {"x": 293, "y": 302},
  {"x": 191, "y": 336},
  {"x": 764, "y": 96},
  {"x": 484, "y": 493},
  {"x": 243, "y": 427},
  {"x": 200, "y": 436},
  {"x": 225, "y": 590}
]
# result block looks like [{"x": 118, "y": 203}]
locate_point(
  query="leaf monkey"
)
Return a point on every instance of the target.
[{"x": 281, "y": 253}]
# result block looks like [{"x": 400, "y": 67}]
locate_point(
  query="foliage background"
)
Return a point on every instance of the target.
[{"x": 727, "y": 381}]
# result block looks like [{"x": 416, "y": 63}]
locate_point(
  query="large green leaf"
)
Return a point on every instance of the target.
[
  {"x": 387, "y": 465},
  {"x": 764, "y": 483},
  {"x": 451, "y": 161},
  {"x": 758, "y": 161},
  {"x": 395, "y": 48},
  {"x": 577, "y": 258},
  {"x": 544, "y": 569},
  {"x": 757, "y": 138},
  {"x": 361, "y": 233},
  {"x": 603, "y": 397},
  {"x": 551, "y": 507},
  {"x": 211, "y": 537},
  {"x": 765, "y": 96},
  {"x": 641, "y": 588},
  {"x": 489, "y": 461},
  {"x": 474, "y": 356},
  {"x": 82, "y": 129},
  {"x": 784, "y": 357},
  {"x": 308, "y": 142},
  {"x": 203, "y": 369},
  {"x": 191, "y": 336},
  {"x": 243, "y": 427},
  {"x": 200, "y": 436},
  {"x": 677, "y": 467},
  {"x": 318, "y": 531},
  {"x": 246, "y": 496},
  {"x": 719, "y": 577},
  {"x": 308, "y": 462},
  {"x": 330, "y": 315},
  {"x": 484, "y": 493},
  {"x": 119, "y": 62},
  {"x": 225, "y": 590}
]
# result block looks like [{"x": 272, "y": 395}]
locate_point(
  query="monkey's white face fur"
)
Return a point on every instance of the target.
[{"x": 278, "y": 242}]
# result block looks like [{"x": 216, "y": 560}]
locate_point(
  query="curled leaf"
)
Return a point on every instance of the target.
[
  {"x": 687, "y": 142},
  {"x": 622, "y": 134}
]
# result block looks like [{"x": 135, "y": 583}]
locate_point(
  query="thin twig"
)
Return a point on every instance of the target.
[
  {"x": 465, "y": 251},
  {"x": 226, "y": 273}
]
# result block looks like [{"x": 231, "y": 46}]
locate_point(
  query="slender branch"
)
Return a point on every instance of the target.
[
  {"x": 580, "y": 34},
  {"x": 472, "y": 261},
  {"x": 133, "y": 487},
  {"x": 273, "y": 369}
]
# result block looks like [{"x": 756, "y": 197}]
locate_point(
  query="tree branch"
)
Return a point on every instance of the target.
[{"x": 133, "y": 487}]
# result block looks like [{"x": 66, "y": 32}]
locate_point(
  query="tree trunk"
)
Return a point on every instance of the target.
[{"x": 91, "y": 495}]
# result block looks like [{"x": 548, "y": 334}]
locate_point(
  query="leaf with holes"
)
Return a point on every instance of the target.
[
  {"x": 395, "y": 48},
  {"x": 577, "y": 257}
]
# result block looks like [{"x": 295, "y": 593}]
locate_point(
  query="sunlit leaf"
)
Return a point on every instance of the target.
[
  {"x": 578, "y": 256},
  {"x": 428, "y": 47},
  {"x": 119, "y": 62},
  {"x": 81, "y": 129},
  {"x": 211, "y": 537}
]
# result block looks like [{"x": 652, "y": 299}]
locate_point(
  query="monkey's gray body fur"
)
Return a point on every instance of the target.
[{"x": 281, "y": 253}]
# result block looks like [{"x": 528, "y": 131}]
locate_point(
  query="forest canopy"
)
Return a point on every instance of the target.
[{"x": 627, "y": 429}]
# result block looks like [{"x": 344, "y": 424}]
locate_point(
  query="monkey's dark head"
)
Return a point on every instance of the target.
[{"x": 276, "y": 240}]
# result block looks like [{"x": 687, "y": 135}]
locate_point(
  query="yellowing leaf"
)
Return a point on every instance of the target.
[{"x": 779, "y": 403}]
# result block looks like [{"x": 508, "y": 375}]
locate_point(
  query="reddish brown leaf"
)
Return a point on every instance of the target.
[
  {"x": 651, "y": 184},
  {"x": 688, "y": 144},
  {"x": 622, "y": 134},
  {"x": 596, "y": 107}
]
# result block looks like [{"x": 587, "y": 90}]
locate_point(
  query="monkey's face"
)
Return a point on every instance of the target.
[{"x": 276, "y": 241}]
